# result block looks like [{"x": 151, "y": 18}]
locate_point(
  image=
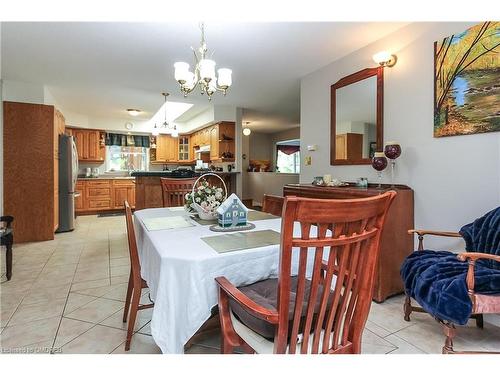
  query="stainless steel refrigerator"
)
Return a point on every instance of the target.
[{"x": 68, "y": 174}]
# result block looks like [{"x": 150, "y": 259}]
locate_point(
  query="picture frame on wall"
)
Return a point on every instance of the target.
[{"x": 373, "y": 149}]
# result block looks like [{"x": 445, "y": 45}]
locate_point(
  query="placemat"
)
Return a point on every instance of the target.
[
  {"x": 170, "y": 222},
  {"x": 252, "y": 216},
  {"x": 242, "y": 240}
]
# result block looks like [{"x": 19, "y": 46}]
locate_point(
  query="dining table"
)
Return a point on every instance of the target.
[{"x": 180, "y": 258}]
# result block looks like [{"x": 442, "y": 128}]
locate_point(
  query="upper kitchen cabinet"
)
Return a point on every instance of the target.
[
  {"x": 30, "y": 176},
  {"x": 222, "y": 146},
  {"x": 166, "y": 149},
  {"x": 90, "y": 144}
]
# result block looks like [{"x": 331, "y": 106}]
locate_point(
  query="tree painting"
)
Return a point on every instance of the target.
[{"x": 467, "y": 82}]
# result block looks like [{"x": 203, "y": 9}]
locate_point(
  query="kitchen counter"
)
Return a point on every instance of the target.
[
  {"x": 168, "y": 173},
  {"x": 107, "y": 178}
]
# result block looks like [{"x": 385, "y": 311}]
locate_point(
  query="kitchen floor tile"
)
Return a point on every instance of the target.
[
  {"x": 37, "y": 311},
  {"x": 140, "y": 344},
  {"x": 93, "y": 342},
  {"x": 70, "y": 329},
  {"x": 28, "y": 333},
  {"x": 96, "y": 311}
]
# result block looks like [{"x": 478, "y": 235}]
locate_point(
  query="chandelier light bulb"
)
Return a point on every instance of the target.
[
  {"x": 224, "y": 79},
  {"x": 207, "y": 70},
  {"x": 181, "y": 72}
]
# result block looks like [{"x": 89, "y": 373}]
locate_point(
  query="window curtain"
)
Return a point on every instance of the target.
[
  {"x": 114, "y": 139},
  {"x": 288, "y": 150}
]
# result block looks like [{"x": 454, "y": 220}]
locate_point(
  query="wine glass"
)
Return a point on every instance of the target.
[
  {"x": 393, "y": 151},
  {"x": 379, "y": 163}
]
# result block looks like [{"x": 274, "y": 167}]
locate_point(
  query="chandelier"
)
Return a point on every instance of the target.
[
  {"x": 204, "y": 73},
  {"x": 169, "y": 129}
]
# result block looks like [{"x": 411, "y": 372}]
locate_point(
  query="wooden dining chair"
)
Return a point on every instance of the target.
[
  {"x": 175, "y": 190},
  {"x": 135, "y": 282},
  {"x": 321, "y": 299},
  {"x": 273, "y": 204}
]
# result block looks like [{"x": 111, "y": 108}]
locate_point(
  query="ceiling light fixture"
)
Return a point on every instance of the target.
[
  {"x": 246, "y": 130},
  {"x": 384, "y": 58},
  {"x": 168, "y": 128},
  {"x": 204, "y": 73},
  {"x": 133, "y": 112}
]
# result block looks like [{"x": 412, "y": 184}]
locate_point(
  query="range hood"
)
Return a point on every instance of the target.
[{"x": 203, "y": 149}]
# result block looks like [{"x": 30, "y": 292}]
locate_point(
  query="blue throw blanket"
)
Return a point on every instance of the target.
[{"x": 437, "y": 279}]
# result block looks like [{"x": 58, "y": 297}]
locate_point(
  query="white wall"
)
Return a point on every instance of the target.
[
  {"x": 455, "y": 179},
  {"x": 260, "y": 183}
]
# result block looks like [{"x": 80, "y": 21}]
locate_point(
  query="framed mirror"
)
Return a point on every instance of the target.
[{"x": 357, "y": 117}]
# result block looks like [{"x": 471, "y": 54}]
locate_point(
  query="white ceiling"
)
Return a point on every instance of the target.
[{"x": 100, "y": 69}]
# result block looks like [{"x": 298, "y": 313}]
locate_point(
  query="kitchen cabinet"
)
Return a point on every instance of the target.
[
  {"x": 349, "y": 146},
  {"x": 185, "y": 151},
  {"x": 30, "y": 175},
  {"x": 166, "y": 149},
  {"x": 214, "y": 142},
  {"x": 89, "y": 144},
  {"x": 123, "y": 190},
  {"x": 104, "y": 194}
]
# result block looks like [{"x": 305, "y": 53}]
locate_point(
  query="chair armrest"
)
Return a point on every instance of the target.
[
  {"x": 7, "y": 219},
  {"x": 248, "y": 304},
  {"x": 421, "y": 233},
  {"x": 471, "y": 258},
  {"x": 475, "y": 256}
]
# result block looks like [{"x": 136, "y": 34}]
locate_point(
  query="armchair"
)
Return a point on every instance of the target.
[{"x": 452, "y": 287}]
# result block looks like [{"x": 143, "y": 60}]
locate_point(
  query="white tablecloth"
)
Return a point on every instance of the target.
[{"x": 180, "y": 269}]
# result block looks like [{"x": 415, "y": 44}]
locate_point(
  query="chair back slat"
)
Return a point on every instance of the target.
[
  {"x": 175, "y": 190},
  {"x": 135, "y": 266},
  {"x": 273, "y": 204},
  {"x": 337, "y": 249}
]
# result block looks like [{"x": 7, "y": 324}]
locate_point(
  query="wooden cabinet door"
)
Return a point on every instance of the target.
[
  {"x": 214, "y": 142},
  {"x": 93, "y": 145},
  {"x": 161, "y": 147},
  {"x": 172, "y": 153},
  {"x": 131, "y": 195},
  {"x": 120, "y": 195},
  {"x": 80, "y": 143},
  {"x": 80, "y": 201}
]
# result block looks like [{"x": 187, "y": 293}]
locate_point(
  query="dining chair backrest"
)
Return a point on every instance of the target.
[
  {"x": 135, "y": 266},
  {"x": 336, "y": 250},
  {"x": 175, "y": 190},
  {"x": 273, "y": 204}
]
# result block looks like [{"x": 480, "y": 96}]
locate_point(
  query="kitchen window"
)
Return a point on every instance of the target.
[
  {"x": 126, "y": 158},
  {"x": 288, "y": 157}
]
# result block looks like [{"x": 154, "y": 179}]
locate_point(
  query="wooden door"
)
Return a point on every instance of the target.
[
  {"x": 340, "y": 146},
  {"x": 214, "y": 142}
]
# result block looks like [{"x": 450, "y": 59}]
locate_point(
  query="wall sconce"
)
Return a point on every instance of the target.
[{"x": 384, "y": 58}]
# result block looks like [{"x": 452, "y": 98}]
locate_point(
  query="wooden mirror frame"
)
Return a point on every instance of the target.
[{"x": 347, "y": 80}]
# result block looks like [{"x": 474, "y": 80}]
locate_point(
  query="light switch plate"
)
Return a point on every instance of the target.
[{"x": 307, "y": 160}]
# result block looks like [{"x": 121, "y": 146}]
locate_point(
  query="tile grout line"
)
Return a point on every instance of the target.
[{"x": 65, "y": 304}]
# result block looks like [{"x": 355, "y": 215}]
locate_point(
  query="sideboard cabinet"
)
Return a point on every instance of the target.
[{"x": 396, "y": 243}]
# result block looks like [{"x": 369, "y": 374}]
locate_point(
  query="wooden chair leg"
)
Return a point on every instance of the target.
[
  {"x": 226, "y": 347},
  {"x": 127, "y": 298},
  {"x": 479, "y": 321},
  {"x": 407, "y": 308},
  {"x": 9, "y": 260},
  {"x": 136, "y": 296},
  {"x": 450, "y": 332}
]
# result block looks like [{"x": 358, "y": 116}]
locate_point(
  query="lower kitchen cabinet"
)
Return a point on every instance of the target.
[{"x": 104, "y": 195}]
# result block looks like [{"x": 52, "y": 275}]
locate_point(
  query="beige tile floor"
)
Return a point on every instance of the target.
[{"x": 67, "y": 296}]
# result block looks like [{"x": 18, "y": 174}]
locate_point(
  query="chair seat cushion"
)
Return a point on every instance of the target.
[
  {"x": 437, "y": 281},
  {"x": 265, "y": 293}
]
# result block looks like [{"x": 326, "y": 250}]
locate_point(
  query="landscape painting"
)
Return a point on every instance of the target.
[{"x": 467, "y": 82}]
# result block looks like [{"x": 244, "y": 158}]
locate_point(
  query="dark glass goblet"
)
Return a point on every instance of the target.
[
  {"x": 392, "y": 150},
  {"x": 379, "y": 163}
]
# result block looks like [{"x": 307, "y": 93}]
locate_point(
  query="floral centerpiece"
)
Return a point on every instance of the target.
[{"x": 204, "y": 200}]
